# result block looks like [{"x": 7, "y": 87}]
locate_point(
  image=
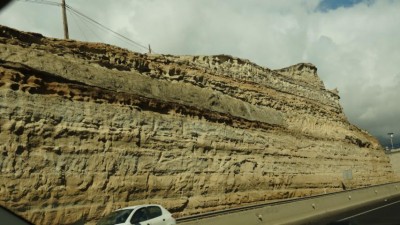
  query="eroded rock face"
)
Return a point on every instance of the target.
[{"x": 86, "y": 128}]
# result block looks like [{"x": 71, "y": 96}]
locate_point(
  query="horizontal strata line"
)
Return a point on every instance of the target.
[{"x": 144, "y": 103}]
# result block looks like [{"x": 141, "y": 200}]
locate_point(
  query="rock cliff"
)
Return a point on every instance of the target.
[{"x": 87, "y": 127}]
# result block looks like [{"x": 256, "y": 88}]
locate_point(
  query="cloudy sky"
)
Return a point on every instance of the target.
[{"x": 354, "y": 43}]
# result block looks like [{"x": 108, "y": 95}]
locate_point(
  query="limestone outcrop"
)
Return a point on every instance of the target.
[{"x": 87, "y": 127}]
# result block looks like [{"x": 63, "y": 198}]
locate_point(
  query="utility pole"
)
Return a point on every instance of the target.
[{"x": 64, "y": 12}]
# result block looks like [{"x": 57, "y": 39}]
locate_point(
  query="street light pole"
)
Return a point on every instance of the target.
[
  {"x": 391, "y": 139},
  {"x": 64, "y": 12}
]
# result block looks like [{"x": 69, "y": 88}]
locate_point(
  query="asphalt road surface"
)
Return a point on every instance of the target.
[{"x": 385, "y": 212}]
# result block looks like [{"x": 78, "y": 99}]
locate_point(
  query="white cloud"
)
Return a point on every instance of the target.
[{"x": 354, "y": 48}]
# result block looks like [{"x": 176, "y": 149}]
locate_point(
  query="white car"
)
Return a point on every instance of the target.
[{"x": 139, "y": 215}]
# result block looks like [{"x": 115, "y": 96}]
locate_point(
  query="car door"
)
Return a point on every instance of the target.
[
  {"x": 140, "y": 217},
  {"x": 155, "y": 216}
]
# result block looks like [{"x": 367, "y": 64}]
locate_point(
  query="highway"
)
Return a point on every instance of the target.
[
  {"x": 386, "y": 212},
  {"x": 374, "y": 205}
]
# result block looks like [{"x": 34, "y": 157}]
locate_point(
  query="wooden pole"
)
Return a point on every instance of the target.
[{"x": 64, "y": 12}]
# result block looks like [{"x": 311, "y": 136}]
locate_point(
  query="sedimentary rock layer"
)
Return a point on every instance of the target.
[{"x": 88, "y": 127}]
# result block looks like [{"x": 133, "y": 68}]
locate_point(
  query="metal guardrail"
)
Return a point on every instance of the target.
[{"x": 279, "y": 202}]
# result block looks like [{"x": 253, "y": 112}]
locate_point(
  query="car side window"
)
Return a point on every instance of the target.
[
  {"x": 139, "y": 216},
  {"x": 153, "y": 212},
  {"x": 123, "y": 216}
]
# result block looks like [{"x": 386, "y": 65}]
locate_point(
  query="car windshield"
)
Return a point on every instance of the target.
[{"x": 115, "y": 217}]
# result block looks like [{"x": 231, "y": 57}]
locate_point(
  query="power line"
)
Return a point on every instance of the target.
[
  {"x": 43, "y": 2},
  {"x": 106, "y": 28},
  {"x": 78, "y": 25},
  {"x": 86, "y": 24},
  {"x": 80, "y": 14},
  {"x": 121, "y": 37}
]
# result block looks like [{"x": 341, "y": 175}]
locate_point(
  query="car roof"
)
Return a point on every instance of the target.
[{"x": 136, "y": 206}]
